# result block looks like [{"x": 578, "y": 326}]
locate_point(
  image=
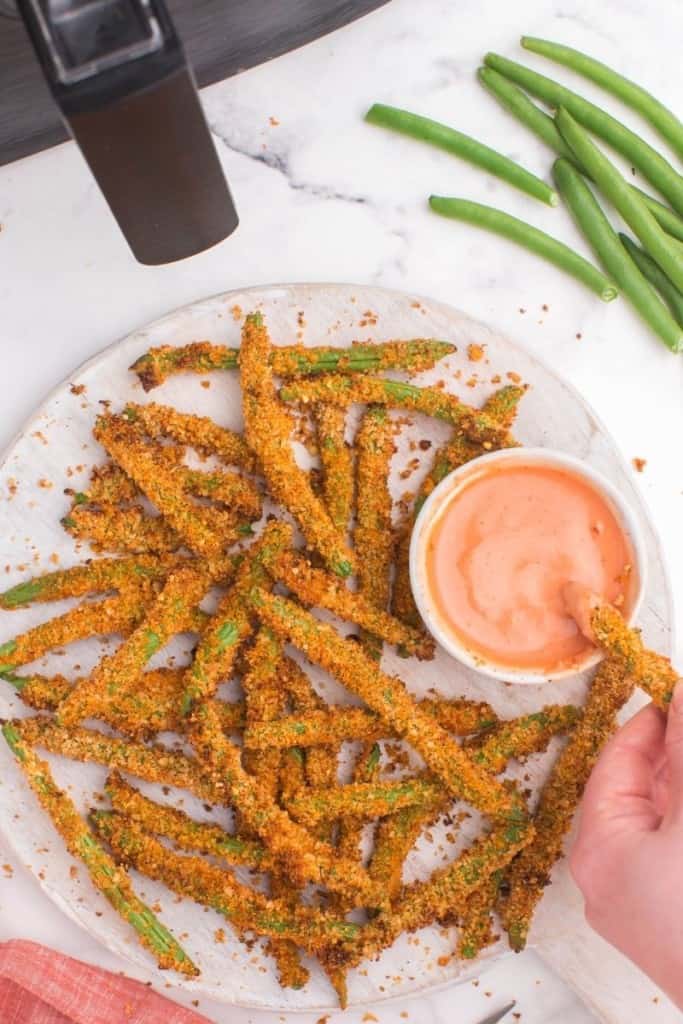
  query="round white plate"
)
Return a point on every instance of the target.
[{"x": 56, "y": 450}]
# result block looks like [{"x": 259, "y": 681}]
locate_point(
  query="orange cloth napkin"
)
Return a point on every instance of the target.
[{"x": 40, "y": 986}]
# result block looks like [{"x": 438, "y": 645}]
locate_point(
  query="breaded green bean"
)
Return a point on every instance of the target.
[
  {"x": 109, "y": 485},
  {"x": 521, "y": 736},
  {"x": 441, "y": 896},
  {"x": 197, "y": 879},
  {"x": 502, "y": 407},
  {"x": 320, "y": 762},
  {"x": 373, "y": 536},
  {"x": 475, "y": 931},
  {"x": 293, "y": 360},
  {"x": 388, "y": 697},
  {"x": 185, "y": 587},
  {"x": 653, "y": 672},
  {"x": 264, "y": 701},
  {"x": 94, "y": 577},
  {"x": 362, "y": 800},
  {"x": 365, "y": 773},
  {"x": 292, "y": 773},
  {"x": 398, "y": 833},
  {"x": 530, "y": 873},
  {"x": 111, "y": 880},
  {"x": 119, "y": 614},
  {"x": 151, "y": 706},
  {"x": 150, "y": 763},
  {"x": 337, "y": 389},
  {"x": 336, "y": 460},
  {"x": 129, "y": 530},
  {"x": 231, "y": 624},
  {"x": 205, "y": 530},
  {"x": 336, "y": 723},
  {"x": 186, "y": 833},
  {"x": 318, "y": 588},
  {"x": 198, "y": 432},
  {"x": 267, "y": 427},
  {"x": 395, "y": 837},
  {"x": 301, "y": 858}
]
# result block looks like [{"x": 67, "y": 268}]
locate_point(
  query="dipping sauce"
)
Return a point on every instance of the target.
[{"x": 503, "y": 547}]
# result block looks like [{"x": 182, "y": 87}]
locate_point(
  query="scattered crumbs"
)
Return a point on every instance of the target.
[
  {"x": 476, "y": 982},
  {"x": 219, "y": 935},
  {"x": 273, "y": 122},
  {"x": 475, "y": 353},
  {"x": 457, "y": 375},
  {"x": 496, "y": 379},
  {"x": 545, "y": 307},
  {"x": 41, "y": 436},
  {"x": 323, "y": 1020},
  {"x": 488, "y": 994},
  {"x": 516, "y": 1016},
  {"x": 195, "y": 1002},
  {"x": 655, "y": 999},
  {"x": 369, "y": 319},
  {"x": 54, "y": 558},
  {"x": 639, "y": 464},
  {"x": 404, "y": 1014},
  {"x": 579, "y": 335},
  {"x": 443, "y": 961},
  {"x": 472, "y": 382},
  {"x": 369, "y": 1017},
  {"x": 236, "y": 312},
  {"x": 205, "y": 383},
  {"x": 8, "y": 870},
  {"x": 12, "y": 486},
  {"x": 77, "y": 389},
  {"x": 522, "y": 310},
  {"x": 45, "y": 484},
  {"x": 514, "y": 377}
]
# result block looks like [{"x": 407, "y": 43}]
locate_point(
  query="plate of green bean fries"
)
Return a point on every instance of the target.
[{"x": 231, "y": 751}]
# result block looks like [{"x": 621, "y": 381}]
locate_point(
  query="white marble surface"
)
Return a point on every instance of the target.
[{"x": 324, "y": 197}]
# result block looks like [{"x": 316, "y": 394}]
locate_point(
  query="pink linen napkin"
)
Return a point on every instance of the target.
[{"x": 40, "y": 986}]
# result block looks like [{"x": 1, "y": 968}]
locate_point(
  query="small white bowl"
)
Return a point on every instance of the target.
[{"x": 441, "y": 497}]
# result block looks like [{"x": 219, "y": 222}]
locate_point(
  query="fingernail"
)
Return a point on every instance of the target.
[{"x": 677, "y": 699}]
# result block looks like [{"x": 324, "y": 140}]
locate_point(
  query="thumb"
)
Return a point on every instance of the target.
[{"x": 674, "y": 755}]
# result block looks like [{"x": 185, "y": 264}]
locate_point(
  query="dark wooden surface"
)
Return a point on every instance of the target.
[{"x": 222, "y": 38}]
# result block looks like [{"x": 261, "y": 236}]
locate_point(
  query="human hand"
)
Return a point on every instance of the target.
[{"x": 628, "y": 856}]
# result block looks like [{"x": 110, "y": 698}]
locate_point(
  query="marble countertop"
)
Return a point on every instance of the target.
[{"x": 324, "y": 197}]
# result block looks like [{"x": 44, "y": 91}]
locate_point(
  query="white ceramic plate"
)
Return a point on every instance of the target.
[{"x": 56, "y": 450}]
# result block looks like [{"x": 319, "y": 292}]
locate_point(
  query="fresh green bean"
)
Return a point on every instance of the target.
[
  {"x": 543, "y": 125},
  {"x": 528, "y": 237},
  {"x": 426, "y": 130},
  {"x": 651, "y": 271},
  {"x": 616, "y": 189},
  {"x": 647, "y": 160},
  {"x": 605, "y": 242},
  {"x": 634, "y": 96},
  {"x": 666, "y": 218},
  {"x": 525, "y": 110}
]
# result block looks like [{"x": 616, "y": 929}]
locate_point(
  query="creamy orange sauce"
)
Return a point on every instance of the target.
[{"x": 501, "y": 551}]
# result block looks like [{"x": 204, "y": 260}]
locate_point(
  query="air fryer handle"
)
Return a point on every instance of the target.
[{"x": 118, "y": 73}]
